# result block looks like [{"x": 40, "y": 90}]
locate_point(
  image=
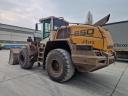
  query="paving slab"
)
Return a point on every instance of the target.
[
  {"x": 122, "y": 87},
  {"x": 15, "y": 81}
]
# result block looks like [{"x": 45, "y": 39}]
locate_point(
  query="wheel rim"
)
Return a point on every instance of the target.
[
  {"x": 22, "y": 58},
  {"x": 55, "y": 66}
]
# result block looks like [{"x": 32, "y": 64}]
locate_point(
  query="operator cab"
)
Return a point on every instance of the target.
[{"x": 49, "y": 25}]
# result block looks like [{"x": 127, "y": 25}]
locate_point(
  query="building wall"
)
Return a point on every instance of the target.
[
  {"x": 119, "y": 32},
  {"x": 14, "y": 33}
]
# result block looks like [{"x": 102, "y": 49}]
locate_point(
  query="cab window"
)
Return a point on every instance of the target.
[
  {"x": 63, "y": 33},
  {"x": 46, "y": 29}
]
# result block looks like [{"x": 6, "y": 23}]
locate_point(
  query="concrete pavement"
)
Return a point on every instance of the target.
[{"x": 14, "y": 81}]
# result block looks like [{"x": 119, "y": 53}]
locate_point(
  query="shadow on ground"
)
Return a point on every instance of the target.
[{"x": 97, "y": 83}]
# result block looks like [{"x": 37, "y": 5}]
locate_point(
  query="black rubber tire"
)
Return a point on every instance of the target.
[
  {"x": 25, "y": 60},
  {"x": 64, "y": 61}
]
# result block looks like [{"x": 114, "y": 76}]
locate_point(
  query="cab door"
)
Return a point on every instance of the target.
[{"x": 46, "y": 28}]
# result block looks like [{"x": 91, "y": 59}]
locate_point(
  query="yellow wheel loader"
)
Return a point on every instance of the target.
[{"x": 62, "y": 48}]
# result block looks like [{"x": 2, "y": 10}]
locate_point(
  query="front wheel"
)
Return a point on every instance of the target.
[
  {"x": 59, "y": 65},
  {"x": 25, "y": 60}
]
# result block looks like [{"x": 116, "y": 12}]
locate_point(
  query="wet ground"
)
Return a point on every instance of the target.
[{"x": 14, "y": 81}]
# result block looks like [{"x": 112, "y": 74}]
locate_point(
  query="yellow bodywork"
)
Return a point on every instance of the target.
[
  {"x": 97, "y": 37},
  {"x": 99, "y": 41}
]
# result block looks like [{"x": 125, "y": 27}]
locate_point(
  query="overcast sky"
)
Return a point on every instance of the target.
[{"x": 25, "y": 13}]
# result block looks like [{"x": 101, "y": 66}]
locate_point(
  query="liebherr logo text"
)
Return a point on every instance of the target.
[{"x": 89, "y": 32}]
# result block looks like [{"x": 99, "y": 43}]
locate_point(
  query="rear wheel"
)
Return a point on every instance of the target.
[
  {"x": 59, "y": 65},
  {"x": 25, "y": 60}
]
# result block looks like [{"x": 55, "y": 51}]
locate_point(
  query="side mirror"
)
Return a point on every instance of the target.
[
  {"x": 55, "y": 28},
  {"x": 36, "y": 27}
]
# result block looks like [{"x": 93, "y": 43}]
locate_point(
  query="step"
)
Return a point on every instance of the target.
[
  {"x": 40, "y": 57},
  {"x": 41, "y": 52}
]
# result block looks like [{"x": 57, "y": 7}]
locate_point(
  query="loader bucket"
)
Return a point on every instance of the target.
[{"x": 14, "y": 56}]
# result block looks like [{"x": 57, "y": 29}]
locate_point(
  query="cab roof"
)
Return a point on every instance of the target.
[
  {"x": 52, "y": 17},
  {"x": 79, "y": 26}
]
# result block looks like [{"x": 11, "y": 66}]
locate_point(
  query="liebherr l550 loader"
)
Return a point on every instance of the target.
[{"x": 63, "y": 48}]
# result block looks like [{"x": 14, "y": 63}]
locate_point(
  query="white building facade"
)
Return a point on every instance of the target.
[{"x": 14, "y": 34}]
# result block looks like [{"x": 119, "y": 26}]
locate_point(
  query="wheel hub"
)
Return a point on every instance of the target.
[
  {"x": 22, "y": 58},
  {"x": 55, "y": 66}
]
